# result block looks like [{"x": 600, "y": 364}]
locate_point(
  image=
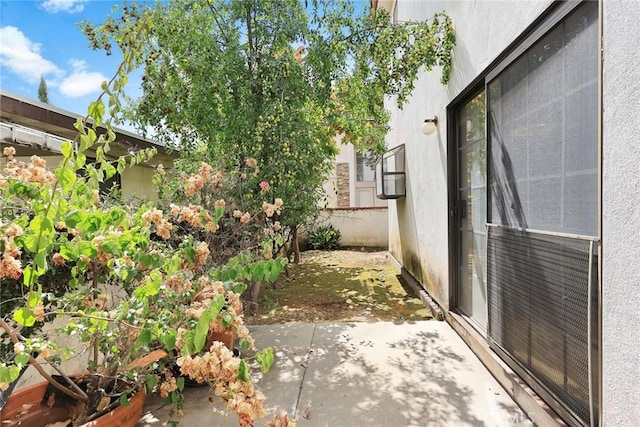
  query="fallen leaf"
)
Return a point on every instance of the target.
[{"x": 306, "y": 414}]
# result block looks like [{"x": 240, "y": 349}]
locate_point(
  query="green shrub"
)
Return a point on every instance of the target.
[{"x": 324, "y": 237}]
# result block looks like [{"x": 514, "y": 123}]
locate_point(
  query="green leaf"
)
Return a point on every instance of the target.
[
  {"x": 67, "y": 149},
  {"x": 67, "y": 178},
  {"x": 239, "y": 288},
  {"x": 85, "y": 143},
  {"x": 34, "y": 297},
  {"x": 201, "y": 331},
  {"x": 122, "y": 165},
  {"x": 265, "y": 359},
  {"x": 187, "y": 344},
  {"x": 216, "y": 305},
  {"x": 21, "y": 359},
  {"x": 96, "y": 112},
  {"x": 124, "y": 400},
  {"x": 40, "y": 261},
  {"x": 9, "y": 374},
  {"x": 110, "y": 171},
  {"x": 29, "y": 275},
  {"x": 24, "y": 316},
  {"x": 243, "y": 372},
  {"x": 169, "y": 339},
  {"x": 144, "y": 338},
  {"x": 151, "y": 382}
]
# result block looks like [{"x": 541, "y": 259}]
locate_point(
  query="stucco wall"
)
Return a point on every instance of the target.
[
  {"x": 418, "y": 235},
  {"x": 137, "y": 182},
  {"x": 360, "y": 226},
  {"x": 621, "y": 214}
]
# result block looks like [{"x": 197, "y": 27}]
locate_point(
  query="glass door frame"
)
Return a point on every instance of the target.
[{"x": 453, "y": 188}]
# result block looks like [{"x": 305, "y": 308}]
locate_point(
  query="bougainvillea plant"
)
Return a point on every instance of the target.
[{"x": 141, "y": 298}]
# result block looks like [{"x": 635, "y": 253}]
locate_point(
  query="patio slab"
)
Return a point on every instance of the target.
[{"x": 365, "y": 374}]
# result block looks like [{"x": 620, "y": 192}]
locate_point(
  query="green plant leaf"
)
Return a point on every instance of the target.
[
  {"x": 243, "y": 372},
  {"x": 169, "y": 339},
  {"x": 144, "y": 338},
  {"x": 96, "y": 112},
  {"x": 201, "y": 331},
  {"x": 124, "y": 400},
  {"x": 24, "y": 316},
  {"x": 151, "y": 382},
  {"x": 67, "y": 149},
  {"x": 265, "y": 359},
  {"x": 67, "y": 179},
  {"x": 21, "y": 359}
]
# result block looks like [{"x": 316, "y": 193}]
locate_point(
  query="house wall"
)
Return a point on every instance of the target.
[
  {"x": 621, "y": 214},
  {"x": 138, "y": 182},
  {"x": 342, "y": 189},
  {"x": 418, "y": 223}
]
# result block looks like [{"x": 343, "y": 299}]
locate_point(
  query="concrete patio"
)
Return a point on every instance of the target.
[{"x": 365, "y": 374}]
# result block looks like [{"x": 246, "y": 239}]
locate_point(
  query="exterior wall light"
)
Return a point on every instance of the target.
[{"x": 430, "y": 125}]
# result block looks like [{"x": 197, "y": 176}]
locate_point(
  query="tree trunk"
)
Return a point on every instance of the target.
[
  {"x": 296, "y": 245},
  {"x": 254, "y": 292}
]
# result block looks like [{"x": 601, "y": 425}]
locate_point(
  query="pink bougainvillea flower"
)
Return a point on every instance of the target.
[{"x": 264, "y": 185}]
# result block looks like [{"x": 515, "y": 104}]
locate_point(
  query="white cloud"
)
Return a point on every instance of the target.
[
  {"x": 81, "y": 82},
  {"x": 69, "y": 6},
  {"x": 23, "y": 57}
]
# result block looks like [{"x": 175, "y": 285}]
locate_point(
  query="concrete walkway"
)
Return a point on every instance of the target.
[{"x": 365, "y": 374}]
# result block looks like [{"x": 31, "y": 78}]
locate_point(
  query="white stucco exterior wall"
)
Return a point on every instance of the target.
[
  {"x": 621, "y": 214},
  {"x": 418, "y": 233}
]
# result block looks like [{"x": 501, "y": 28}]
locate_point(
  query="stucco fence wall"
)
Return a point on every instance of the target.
[{"x": 366, "y": 227}]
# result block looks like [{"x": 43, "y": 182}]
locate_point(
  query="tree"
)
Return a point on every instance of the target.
[
  {"x": 43, "y": 93},
  {"x": 276, "y": 80}
]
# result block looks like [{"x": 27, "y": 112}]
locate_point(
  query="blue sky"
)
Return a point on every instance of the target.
[{"x": 41, "y": 37}]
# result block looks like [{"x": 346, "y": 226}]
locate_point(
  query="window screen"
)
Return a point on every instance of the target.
[
  {"x": 543, "y": 132},
  {"x": 365, "y": 167}
]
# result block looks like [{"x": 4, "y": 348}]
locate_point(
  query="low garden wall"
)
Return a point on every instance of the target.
[{"x": 368, "y": 227}]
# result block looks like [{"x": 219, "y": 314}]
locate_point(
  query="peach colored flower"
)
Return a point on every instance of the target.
[
  {"x": 202, "y": 253},
  {"x": 194, "y": 184},
  {"x": 10, "y": 267},
  {"x": 251, "y": 162},
  {"x": 245, "y": 218},
  {"x": 9, "y": 152},
  {"x": 205, "y": 171},
  {"x": 58, "y": 259}
]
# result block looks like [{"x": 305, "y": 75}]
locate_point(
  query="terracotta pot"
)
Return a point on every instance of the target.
[
  {"x": 227, "y": 338},
  {"x": 24, "y": 409}
]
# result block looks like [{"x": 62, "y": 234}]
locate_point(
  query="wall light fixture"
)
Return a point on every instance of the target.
[{"x": 430, "y": 125}]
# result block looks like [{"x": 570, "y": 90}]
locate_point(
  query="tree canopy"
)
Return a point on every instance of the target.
[
  {"x": 43, "y": 93},
  {"x": 276, "y": 80}
]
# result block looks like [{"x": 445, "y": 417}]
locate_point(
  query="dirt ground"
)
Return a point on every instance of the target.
[{"x": 343, "y": 285}]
